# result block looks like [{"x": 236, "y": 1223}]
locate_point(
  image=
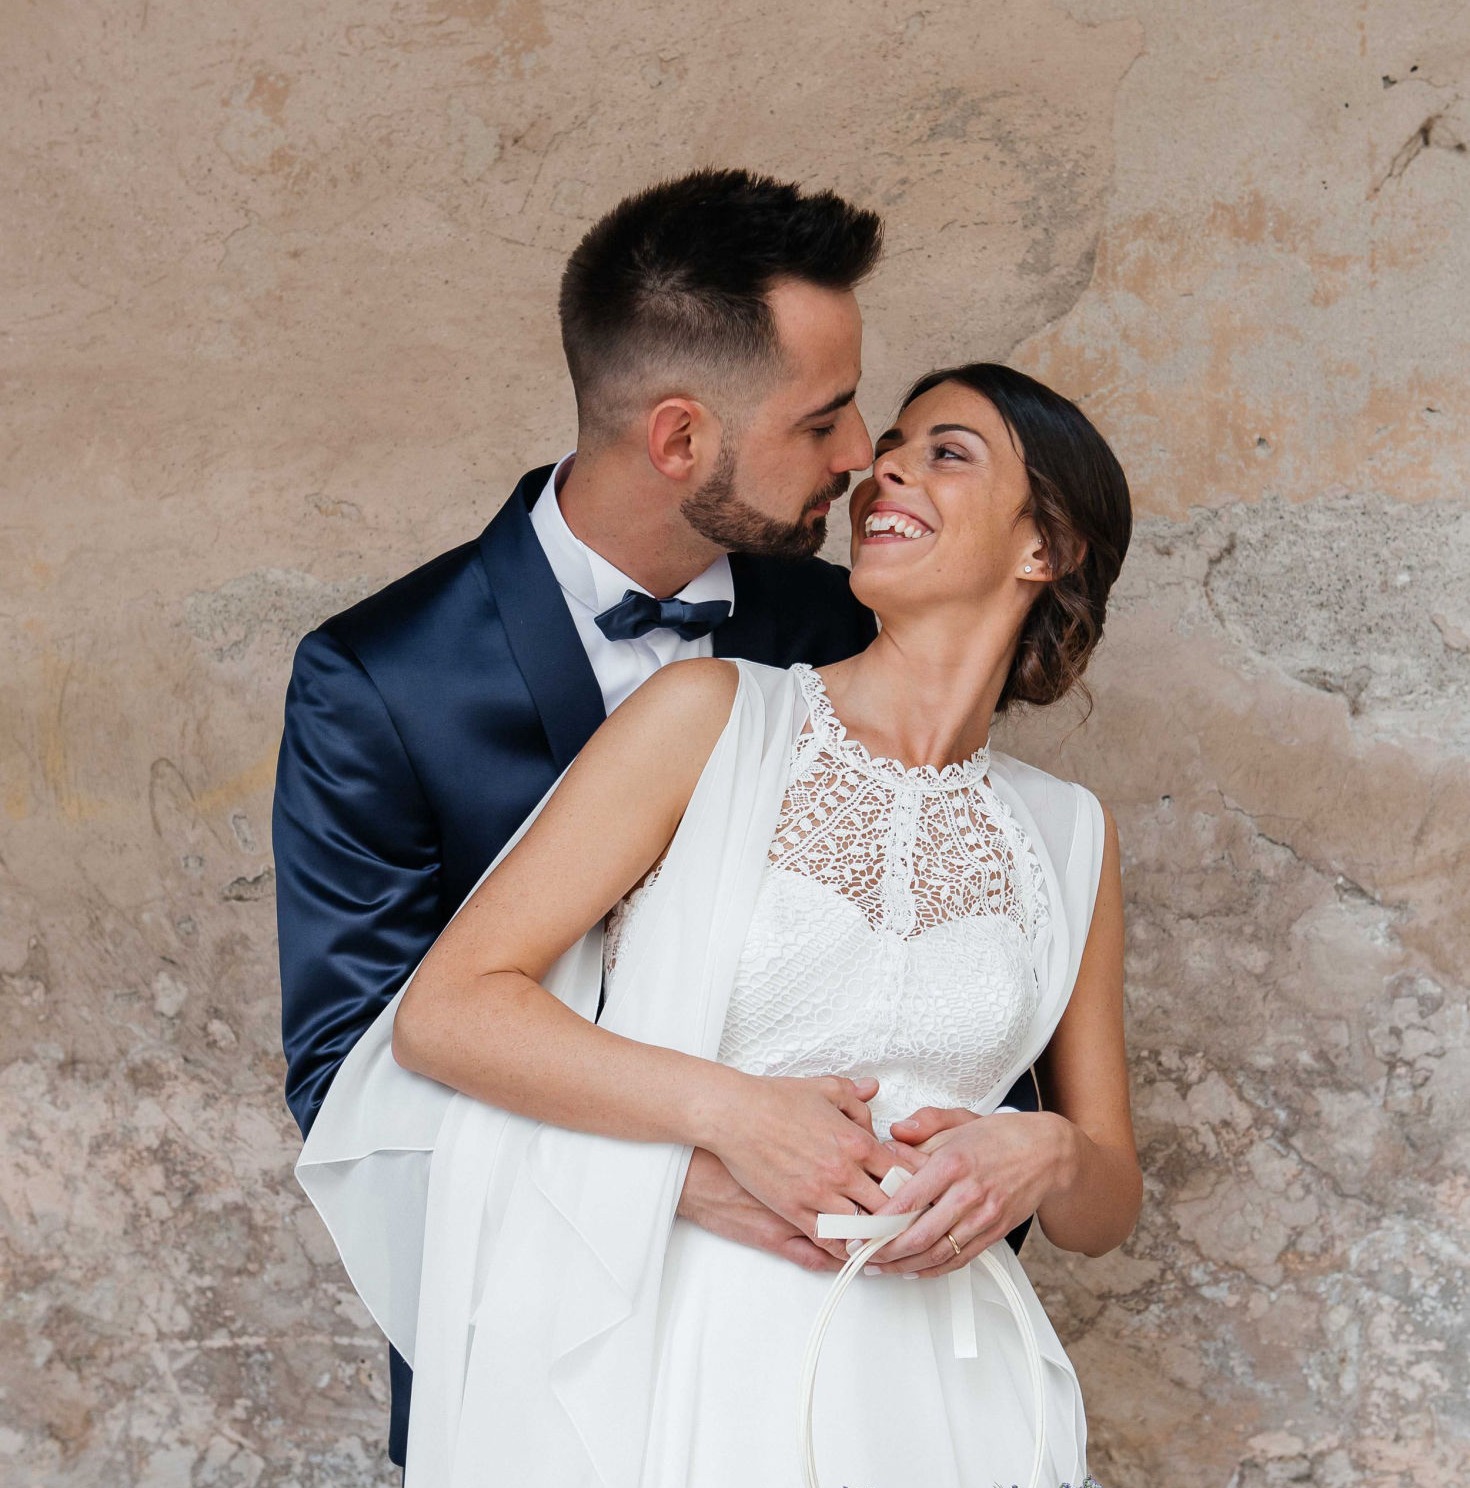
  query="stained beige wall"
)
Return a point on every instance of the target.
[{"x": 277, "y": 294}]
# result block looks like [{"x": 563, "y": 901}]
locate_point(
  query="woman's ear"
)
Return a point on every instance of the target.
[
  {"x": 1043, "y": 562},
  {"x": 1035, "y": 567}
]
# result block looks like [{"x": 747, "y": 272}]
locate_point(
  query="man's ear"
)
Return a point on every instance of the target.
[{"x": 682, "y": 435}]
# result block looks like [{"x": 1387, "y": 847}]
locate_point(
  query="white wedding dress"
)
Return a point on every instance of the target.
[
  {"x": 819, "y": 911},
  {"x": 892, "y": 936}
]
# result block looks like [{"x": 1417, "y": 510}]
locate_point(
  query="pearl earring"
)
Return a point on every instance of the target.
[{"x": 1028, "y": 568}]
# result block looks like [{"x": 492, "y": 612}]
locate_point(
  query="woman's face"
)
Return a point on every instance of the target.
[{"x": 936, "y": 521}]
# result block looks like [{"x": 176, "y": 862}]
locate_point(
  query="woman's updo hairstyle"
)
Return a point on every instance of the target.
[{"x": 1077, "y": 497}]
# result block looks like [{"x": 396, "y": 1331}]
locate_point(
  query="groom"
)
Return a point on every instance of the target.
[{"x": 714, "y": 344}]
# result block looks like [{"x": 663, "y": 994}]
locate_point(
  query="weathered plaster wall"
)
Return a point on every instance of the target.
[{"x": 277, "y": 294}]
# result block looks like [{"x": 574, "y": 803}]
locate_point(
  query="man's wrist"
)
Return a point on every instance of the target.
[{"x": 695, "y": 1178}]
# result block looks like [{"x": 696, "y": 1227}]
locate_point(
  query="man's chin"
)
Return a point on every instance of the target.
[
  {"x": 740, "y": 528},
  {"x": 802, "y": 541},
  {"x": 796, "y": 543}
]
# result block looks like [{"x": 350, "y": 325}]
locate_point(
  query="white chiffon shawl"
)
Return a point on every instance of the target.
[{"x": 517, "y": 1265}]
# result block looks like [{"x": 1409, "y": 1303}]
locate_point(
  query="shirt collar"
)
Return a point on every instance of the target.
[{"x": 587, "y": 577}]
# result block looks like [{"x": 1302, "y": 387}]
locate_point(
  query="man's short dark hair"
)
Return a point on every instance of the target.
[{"x": 667, "y": 293}]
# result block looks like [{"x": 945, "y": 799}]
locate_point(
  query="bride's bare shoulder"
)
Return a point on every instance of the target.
[
  {"x": 700, "y": 690},
  {"x": 681, "y": 709}
]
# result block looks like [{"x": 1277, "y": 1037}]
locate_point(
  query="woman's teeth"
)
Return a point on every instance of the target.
[{"x": 894, "y": 522}]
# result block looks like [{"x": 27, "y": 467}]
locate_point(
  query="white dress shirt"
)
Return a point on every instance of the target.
[{"x": 590, "y": 585}]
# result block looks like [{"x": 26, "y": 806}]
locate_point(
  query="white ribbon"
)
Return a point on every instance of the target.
[{"x": 874, "y": 1231}]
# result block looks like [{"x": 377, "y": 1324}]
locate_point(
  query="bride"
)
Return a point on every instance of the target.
[{"x": 836, "y": 923}]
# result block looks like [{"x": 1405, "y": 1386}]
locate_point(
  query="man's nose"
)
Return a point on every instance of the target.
[{"x": 857, "y": 453}]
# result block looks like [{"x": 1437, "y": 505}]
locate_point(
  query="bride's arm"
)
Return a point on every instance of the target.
[
  {"x": 476, "y": 1017},
  {"x": 1084, "y": 1080},
  {"x": 1074, "y": 1165}
]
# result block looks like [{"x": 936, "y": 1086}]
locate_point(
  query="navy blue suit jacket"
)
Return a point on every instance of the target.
[{"x": 421, "y": 726}]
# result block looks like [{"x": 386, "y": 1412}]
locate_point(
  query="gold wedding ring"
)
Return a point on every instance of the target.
[{"x": 953, "y": 1242}]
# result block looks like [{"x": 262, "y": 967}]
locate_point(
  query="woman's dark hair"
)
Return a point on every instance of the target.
[
  {"x": 1077, "y": 497},
  {"x": 671, "y": 284}
]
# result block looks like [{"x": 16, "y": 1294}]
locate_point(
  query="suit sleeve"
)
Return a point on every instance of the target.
[{"x": 358, "y": 859}]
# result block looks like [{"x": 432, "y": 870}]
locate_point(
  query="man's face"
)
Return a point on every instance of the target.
[{"x": 771, "y": 490}]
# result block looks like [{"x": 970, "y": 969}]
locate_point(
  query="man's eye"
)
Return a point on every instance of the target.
[{"x": 824, "y": 430}]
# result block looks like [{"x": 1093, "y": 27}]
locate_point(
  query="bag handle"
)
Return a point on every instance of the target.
[{"x": 874, "y": 1232}]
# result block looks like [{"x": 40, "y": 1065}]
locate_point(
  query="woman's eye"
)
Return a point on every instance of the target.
[{"x": 948, "y": 449}]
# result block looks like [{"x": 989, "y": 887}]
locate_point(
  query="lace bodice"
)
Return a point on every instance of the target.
[{"x": 893, "y": 931}]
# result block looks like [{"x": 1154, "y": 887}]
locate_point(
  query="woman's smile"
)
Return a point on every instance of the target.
[{"x": 887, "y": 522}]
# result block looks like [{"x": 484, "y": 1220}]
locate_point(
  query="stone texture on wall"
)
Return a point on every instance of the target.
[{"x": 277, "y": 284}]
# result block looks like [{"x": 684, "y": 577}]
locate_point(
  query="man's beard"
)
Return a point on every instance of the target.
[{"x": 716, "y": 512}]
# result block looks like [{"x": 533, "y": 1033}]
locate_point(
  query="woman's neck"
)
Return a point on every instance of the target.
[{"x": 925, "y": 692}]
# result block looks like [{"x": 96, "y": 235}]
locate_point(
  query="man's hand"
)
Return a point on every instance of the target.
[{"x": 714, "y": 1201}]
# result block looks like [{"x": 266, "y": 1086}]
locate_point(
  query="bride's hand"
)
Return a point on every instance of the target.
[
  {"x": 714, "y": 1201},
  {"x": 805, "y": 1146},
  {"x": 983, "y": 1176}
]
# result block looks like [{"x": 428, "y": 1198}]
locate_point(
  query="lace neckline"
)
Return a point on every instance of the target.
[{"x": 827, "y": 726}]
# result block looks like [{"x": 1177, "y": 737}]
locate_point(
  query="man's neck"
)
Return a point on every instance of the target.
[{"x": 634, "y": 523}]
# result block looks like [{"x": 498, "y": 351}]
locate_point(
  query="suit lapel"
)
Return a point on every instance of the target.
[
  {"x": 538, "y": 625},
  {"x": 750, "y": 632}
]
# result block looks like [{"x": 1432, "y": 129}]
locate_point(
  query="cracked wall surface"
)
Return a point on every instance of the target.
[{"x": 278, "y": 288}]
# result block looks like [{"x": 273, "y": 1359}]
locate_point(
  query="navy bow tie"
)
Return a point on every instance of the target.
[{"x": 636, "y": 614}]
